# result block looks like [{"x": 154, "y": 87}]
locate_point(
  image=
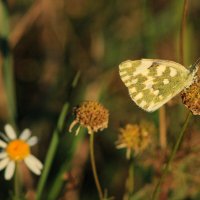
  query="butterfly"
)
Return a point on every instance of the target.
[{"x": 153, "y": 82}]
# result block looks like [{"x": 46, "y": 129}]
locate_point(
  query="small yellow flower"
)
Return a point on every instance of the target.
[
  {"x": 91, "y": 115},
  {"x": 16, "y": 150},
  {"x": 133, "y": 138},
  {"x": 191, "y": 97}
]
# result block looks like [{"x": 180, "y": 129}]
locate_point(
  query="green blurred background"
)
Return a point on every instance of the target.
[{"x": 49, "y": 43}]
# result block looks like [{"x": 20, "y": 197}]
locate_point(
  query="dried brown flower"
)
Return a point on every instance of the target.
[
  {"x": 91, "y": 115},
  {"x": 191, "y": 97},
  {"x": 133, "y": 137}
]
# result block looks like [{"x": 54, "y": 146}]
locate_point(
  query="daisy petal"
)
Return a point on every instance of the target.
[
  {"x": 32, "y": 166},
  {"x": 32, "y": 141},
  {"x": 10, "y": 131},
  {"x": 9, "y": 170},
  {"x": 3, "y": 163},
  {"x": 36, "y": 161},
  {"x": 5, "y": 138},
  {"x": 26, "y": 133},
  {"x": 3, "y": 155},
  {"x": 2, "y": 144}
]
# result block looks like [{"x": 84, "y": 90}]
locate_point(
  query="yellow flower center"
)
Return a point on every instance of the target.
[{"x": 18, "y": 150}]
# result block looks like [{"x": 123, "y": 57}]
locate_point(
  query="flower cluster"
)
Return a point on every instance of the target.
[
  {"x": 191, "y": 97},
  {"x": 91, "y": 115},
  {"x": 134, "y": 138},
  {"x": 15, "y": 150}
]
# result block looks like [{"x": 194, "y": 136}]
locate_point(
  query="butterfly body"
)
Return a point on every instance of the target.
[{"x": 153, "y": 82}]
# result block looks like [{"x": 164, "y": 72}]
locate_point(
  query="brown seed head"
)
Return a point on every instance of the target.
[
  {"x": 91, "y": 115},
  {"x": 191, "y": 97}
]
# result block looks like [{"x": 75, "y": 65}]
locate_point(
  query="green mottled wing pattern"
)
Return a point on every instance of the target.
[{"x": 152, "y": 82}]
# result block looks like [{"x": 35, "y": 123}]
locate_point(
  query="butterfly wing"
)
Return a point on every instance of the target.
[{"x": 153, "y": 82}]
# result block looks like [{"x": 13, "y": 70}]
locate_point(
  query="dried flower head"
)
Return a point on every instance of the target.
[
  {"x": 133, "y": 137},
  {"x": 91, "y": 115},
  {"x": 191, "y": 97}
]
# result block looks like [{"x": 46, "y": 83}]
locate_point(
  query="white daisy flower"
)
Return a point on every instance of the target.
[{"x": 16, "y": 150}]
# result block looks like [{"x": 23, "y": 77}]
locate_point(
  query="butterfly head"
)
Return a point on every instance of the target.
[{"x": 195, "y": 67}]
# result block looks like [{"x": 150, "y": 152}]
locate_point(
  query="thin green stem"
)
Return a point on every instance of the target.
[
  {"x": 131, "y": 178},
  {"x": 129, "y": 185},
  {"x": 175, "y": 148},
  {"x": 181, "y": 134},
  {"x": 92, "y": 159},
  {"x": 182, "y": 31},
  {"x": 16, "y": 184},
  {"x": 163, "y": 127},
  {"x": 76, "y": 79},
  {"x": 65, "y": 167},
  {"x": 51, "y": 151},
  {"x": 8, "y": 74}
]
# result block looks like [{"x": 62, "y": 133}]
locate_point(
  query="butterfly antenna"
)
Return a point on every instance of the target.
[{"x": 194, "y": 67}]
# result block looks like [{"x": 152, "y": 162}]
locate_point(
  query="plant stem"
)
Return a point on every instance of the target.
[
  {"x": 92, "y": 160},
  {"x": 175, "y": 148},
  {"x": 65, "y": 167},
  {"x": 16, "y": 184},
  {"x": 181, "y": 134},
  {"x": 163, "y": 128},
  {"x": 51, "y": 151},
  {"x": 130, "y": 183},
  {"x": 182, "y": 31},
  {"x": 8, "y": 74}
]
